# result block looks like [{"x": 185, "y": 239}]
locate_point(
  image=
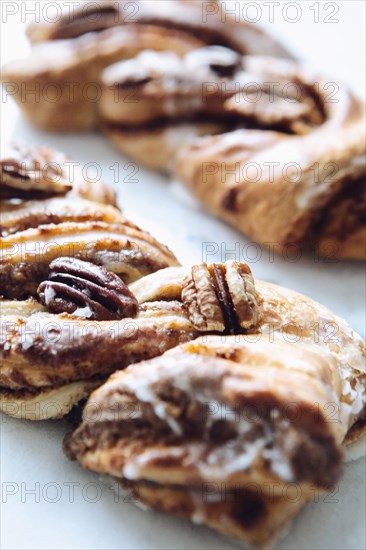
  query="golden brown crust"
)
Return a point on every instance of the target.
[
  {"x": 42, "y": 350},
  {"x": 157, "y": 148},
  {"x": 288, "y": 191},
  {"x": 46, "y": 404},
  {"x": 18, "y": 216},
  {"x": 46, "y": 216},
  {"x": 38, "y": 171},
  {"x": 154, "y": 104},
  {"x": 158, "y": 87},
  {"x": 247, "y": 514},
  {"x": 342, "y": 231},
  {"x": 356, "y": 433},
  {"x": 120, "y": 247}
]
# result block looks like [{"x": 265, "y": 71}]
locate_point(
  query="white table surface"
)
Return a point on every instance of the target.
[{"x": 48, "y": 502}]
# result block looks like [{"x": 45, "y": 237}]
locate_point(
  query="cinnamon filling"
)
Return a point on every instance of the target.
[
  {"x": 83, "y": 23},
  {"x": 230, "y": 122},
  {"x": 209, "y": 443},
  {"x": 346, "y": 213},
  {"x": 7, "y": 192}
]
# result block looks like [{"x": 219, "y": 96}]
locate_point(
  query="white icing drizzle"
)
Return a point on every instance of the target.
[
  {"x": 231, "y": 457},
  {"x": 133, "y": 468},
  {"x": 49, "y": 294},
  {"x": 83, "y": 312}
]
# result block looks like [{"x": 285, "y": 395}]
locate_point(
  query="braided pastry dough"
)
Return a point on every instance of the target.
[
  {"x": 206, "y": 429},
  {"x": 294, "y": 177},
  {"x": 69, "y": 55},
  {"x": 153, "y": 104},
  {"x": 121, "y": 248},
  {"x": 50, "y": 356},
  {"x": 52, "y": 359},
  {"x": 18, "y": 215},
  {"x": 45, "y": 216},
  {"x": 303, "y": 187}
]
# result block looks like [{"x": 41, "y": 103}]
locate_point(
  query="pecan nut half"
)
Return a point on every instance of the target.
[
  {"x": 221, "y": 298},
  {"x": 86, "y": 290}
]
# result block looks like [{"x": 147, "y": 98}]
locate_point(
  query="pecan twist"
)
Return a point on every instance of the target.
[
  {"x": 221, "y": 298},
  {"x": 86, "y": 290}
]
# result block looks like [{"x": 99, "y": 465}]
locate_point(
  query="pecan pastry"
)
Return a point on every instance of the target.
[
  {"x": 40, "y": 186},
  {"x": 70, "y": 54},
  {"x": 120, "y": 247},
  {"x": 63, "y": 307},
  {"x": 87, "y": 323},
  {"x": 56, "y": 350},
  {"x": 295, "y": 177},
  {"x": 289, "y": 174},
  {"x": 218, "y": 429},
  {"x": 52, "y": 361},
  {"x": 45, "y": 216}
]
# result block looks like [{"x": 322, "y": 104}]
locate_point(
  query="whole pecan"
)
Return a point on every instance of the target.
[
  {"x": 221, "y": 298},
  {"x": 86, "y": 290}
]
